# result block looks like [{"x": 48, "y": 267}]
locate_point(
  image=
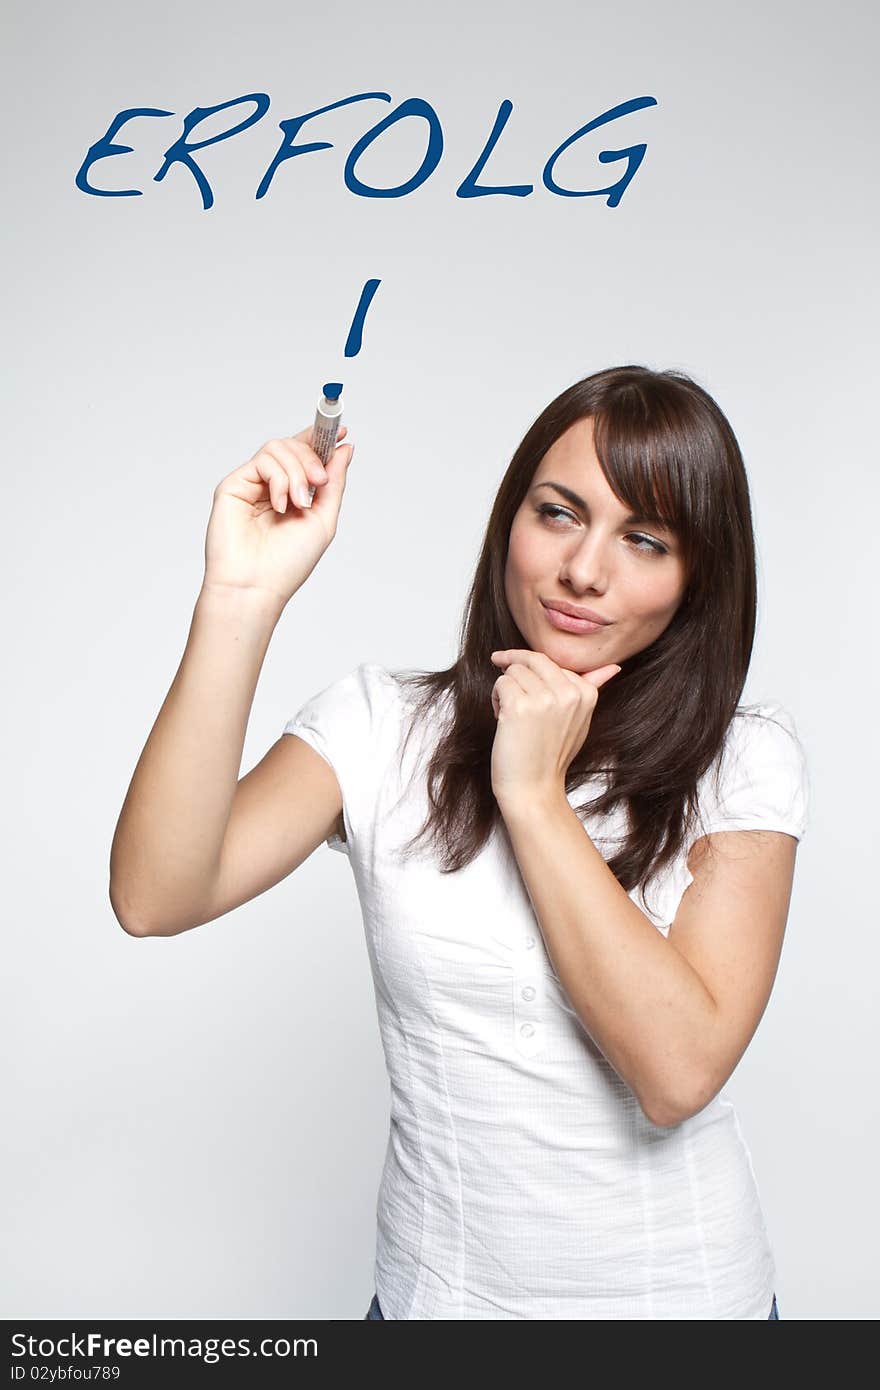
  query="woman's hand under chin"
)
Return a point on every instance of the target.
[{"x": 543, "y": 714}]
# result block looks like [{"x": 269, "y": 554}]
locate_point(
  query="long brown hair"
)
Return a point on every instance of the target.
[{"x": 663, "y": 443}]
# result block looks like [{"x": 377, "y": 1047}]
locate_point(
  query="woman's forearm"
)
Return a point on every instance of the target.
[
  {"x": 640, "y": 1000},
  {"x": 166, "y": 849}
]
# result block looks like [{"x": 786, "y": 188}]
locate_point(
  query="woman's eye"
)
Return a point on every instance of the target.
[
  {"x": 550, "y": 510},
  {"x": 553, "y": 513},
  {"x": 649, "y": 543}
]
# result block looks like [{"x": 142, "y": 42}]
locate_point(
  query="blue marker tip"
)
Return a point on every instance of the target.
[{"x": 333, "y": 390}]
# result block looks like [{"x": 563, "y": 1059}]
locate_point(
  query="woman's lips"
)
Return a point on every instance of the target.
[{"x": 565, "y": 623}]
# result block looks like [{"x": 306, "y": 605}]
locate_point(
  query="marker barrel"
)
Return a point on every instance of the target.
[{"x": 327, "y": 418}]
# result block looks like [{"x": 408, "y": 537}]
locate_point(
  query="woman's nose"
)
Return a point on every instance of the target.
[{"x": 587, "y": 566}]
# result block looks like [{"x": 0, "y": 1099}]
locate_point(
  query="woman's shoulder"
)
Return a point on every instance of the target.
[
  {"x": 370, "y": 680},
  {"x": 377, "y": 674},
  {"x": 383, "y": 690},
  {"x": 764, "y": 727},
  {"x": 761, "y": 774},
  {"x": 354, "y": 703}
]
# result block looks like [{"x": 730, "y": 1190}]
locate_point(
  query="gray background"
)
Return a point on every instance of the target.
[{"x": 196, "y": 1126}]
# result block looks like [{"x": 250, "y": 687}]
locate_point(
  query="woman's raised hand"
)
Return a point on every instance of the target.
[{"x": 262, "y": 535}]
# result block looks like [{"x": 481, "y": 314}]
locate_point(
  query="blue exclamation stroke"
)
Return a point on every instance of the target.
[{"x": 355, "y": 333}]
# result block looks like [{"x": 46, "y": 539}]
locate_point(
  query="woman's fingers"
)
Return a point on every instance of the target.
[
  {"x": 275, "y": 476},
  {"x": 301, "y": 468},
  {"x": 289, "y": 467},
  {"x": 302, "y": 444}
]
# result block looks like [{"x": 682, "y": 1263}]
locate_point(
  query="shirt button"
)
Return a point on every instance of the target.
[
  {"x": 527, "y": 1030},
  {"x": 528, "y": 992},
  {"x": 530, "y": 941}
]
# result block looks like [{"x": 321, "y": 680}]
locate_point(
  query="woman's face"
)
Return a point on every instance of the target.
[{"x": 586, "y": 553}]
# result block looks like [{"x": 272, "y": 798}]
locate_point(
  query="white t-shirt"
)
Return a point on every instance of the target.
[{"x": 522, "y": 1178}]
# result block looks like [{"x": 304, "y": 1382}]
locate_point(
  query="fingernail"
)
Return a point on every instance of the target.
[{"x": 303, "y": 497}]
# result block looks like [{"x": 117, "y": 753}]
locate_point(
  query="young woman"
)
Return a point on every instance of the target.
[{"x": 574, "y": 851}]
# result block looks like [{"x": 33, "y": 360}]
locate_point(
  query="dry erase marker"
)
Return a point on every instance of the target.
[{"x": 327, "y": 418}]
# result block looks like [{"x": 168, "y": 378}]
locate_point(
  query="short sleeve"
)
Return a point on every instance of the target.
[
  {"x": 341, "y": 724},
  {"x": 763, "y": 779}
]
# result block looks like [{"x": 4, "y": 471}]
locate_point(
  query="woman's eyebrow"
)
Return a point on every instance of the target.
[{"x": 631, "y": 520}]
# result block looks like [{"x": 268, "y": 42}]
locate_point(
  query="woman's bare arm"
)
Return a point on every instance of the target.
[
  {"x": 282, "y": 811},
  {"x": 193, "y": 842},
  {"x": 177, "y": 856}
]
